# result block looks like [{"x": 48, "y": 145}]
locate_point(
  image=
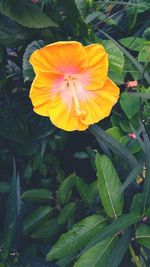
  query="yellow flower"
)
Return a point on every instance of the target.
[{"x": 71, "y": 86}]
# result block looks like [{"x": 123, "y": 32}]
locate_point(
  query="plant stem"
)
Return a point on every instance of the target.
[{"x": 134, "y": 256}]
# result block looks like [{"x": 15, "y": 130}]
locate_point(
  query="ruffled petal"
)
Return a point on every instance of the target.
[
  {"x": 97, "y": 72},
  {"x": 63, "y": 57},
  {"x": 98, "y": 103}
]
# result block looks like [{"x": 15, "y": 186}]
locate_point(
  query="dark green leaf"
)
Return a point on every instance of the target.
[
  {"x": 36, "y": 218},
  {"x": 28, "y": 72},
  {"x": 66, "y": 213},
  {"x": 143, "y": 235},
  {"x": 4, "y": 187},
  {"x": 98, "y": 255},
  {"x": 130, "y": 105},
  {"x": 80, "y": 235},
  {"x": 64, "y": 192},
  {"x": 133, "y": 43},
  {"x": 46, "y": 230},
  {"x": 26, "y": 14},
  {"x": 109, "y": 183},
  {"x": 37, "y": 195},
  {"x": 83, "y": 190}
]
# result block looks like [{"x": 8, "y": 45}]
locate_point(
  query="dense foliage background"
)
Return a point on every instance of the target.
[{"x": 75, "y": 199}]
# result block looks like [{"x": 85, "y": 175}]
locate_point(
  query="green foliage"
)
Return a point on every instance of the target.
[{"x": 80, "y": 199}]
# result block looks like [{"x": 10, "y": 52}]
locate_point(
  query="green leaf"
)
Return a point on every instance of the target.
[
  {"x": 132, "y": 176},
  {"x": 98, "y": 255},
  {"x": 137, "y": 203},
  {"x": 26, "y": 14},
  {"x": 36, "y": 218},
  {"x": 28, "y": 73},
  {"x": 11, "y": 33},
  {"x": 92, "y": 16},
  {"x": 80, "y": 155},
  {"x": 133, "y": 43},
  {"x": 80, "y": 235},
  {"x": 66, "y": 213},
  {"x": 64, "y": 191},
  {"x": 109, "y": 184},
  {"x": 46, "y": 230},
  {"x": 118, "y": 225},
  {"x": 144, "y": 54},
  {"x": 112, "y": 144},
  {"x": 12, "y": 214},
  {"x": 115, "y": 56},
  {"x": 130, "y": 105},
  {"x": 143, "y": 235},
  {"x": 37, "y": 195},
  {"x": 115, "y": 132},
  {"x": 83, "y": 190},
  {"x": 119, "y": 249},
  {"x": 4, "y": 187}
]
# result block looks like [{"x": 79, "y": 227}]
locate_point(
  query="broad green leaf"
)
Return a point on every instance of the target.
[
  {"x": 137, "y": 203},
  {"x": 80, "y": 235},
  {"x": 118, "y": 225},
  {"x": 115, "y": 132},
  {"x": 119, "y": 249},
  {"x": 36, "y": 218},
  {"x": 64, "y": 191},
  {"x": 83, "y": 190},
  {"x": 115, "y": 55},
  {"x": 109, "y": 184},
  {"x": 113, "y": 145},
  {"x": 130, "y": 105},
  {"x": 98, "y": 255},
  {"x": 28, "y": 73},
  {"x": 26, "y": 14},
  {"x": 46, "y": 230},
  {"x": 66, "y": 213},
  {"x": 4, "y": 187},
  {"x": 37, "y": 195},
  {"x": 143, "y": 235},
  {"x": 133, "y": 43},
  {"x": 146, "y": 33},
  {"x": 144, "y": 54}
]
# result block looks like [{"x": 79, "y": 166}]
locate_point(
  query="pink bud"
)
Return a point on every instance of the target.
[
  {"x": 34, "y": 1},
  {"x": 132, "y": 135},
  {"x": 145, "y": 219},
  {"x": 132, "y": 84}
]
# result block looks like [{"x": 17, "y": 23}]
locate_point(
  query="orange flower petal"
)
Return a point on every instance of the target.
[
  {"x": 99, "y": 103},
  {"x": 63, "y": 57},
  {"x": 98, "y": 66},
  {"x": 47, "y": 99}
]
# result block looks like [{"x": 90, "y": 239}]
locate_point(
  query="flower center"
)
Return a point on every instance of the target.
[{"x": 73, "y": 84}]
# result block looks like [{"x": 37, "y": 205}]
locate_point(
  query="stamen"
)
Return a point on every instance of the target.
[{"x": 79, "y": 112}]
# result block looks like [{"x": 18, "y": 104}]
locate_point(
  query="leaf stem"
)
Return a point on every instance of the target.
[{"x": 134, "y": 256}]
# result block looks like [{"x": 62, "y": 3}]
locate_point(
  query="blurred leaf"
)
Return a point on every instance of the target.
[
  {"x": 119, "y": 249},
  {"x": 11, "y": 33},
  {"x": 26, "y": 14},
  {"x": 28, "y": 73},
  {"x": 80, "y": 235},
  {"x": 98, "y": 255},
  {"x": 37, "y": 195},
  {"x": 36, "y": 218},
  {"x": 143, "y": 235},
  {"x": 133, "y": 43},
  {"x": 46, "y": 230},
  {"x": 12, "y": 214},
  {"x": 66, "y": 213},
  {"x": 130, "y": 105},
  {"x": 64, "y": 191},
  {"x": 4, "y": 187},
  {"x": 92, "y": 16},
  {"x": 117, "y": 148},
  {"x": 80, "y": 155},
  {"x": 108, "y": 188}
]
